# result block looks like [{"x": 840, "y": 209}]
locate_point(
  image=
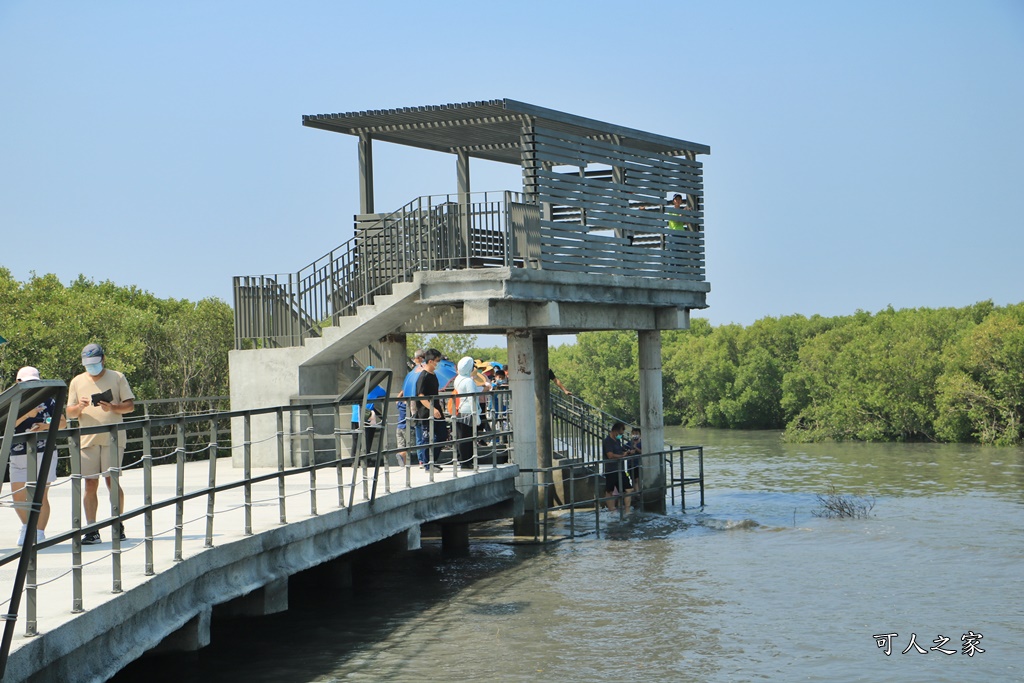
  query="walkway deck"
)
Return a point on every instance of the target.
[{"x": 116, "y": 628}]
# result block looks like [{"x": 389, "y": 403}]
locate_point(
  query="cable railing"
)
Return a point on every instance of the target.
[{"x": 355, "y": 472}]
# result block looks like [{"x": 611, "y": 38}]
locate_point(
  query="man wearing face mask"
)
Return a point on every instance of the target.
[{"x": 98, "y": 453}]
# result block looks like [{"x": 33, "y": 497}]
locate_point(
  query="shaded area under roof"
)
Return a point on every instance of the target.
[{"x": 486, "y": 130}]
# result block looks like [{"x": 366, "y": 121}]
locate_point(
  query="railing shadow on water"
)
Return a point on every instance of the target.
[
  {"x": 172, "y": 440},
  {"x": 574, "y": 492}
]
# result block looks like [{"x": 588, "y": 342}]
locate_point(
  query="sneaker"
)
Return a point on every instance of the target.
[
  {"x": 433, "y": 468},
  {"x": 91, "y": 538},
  {"x": 21, "y": 536},
  {"x": 120, "y": 529},
  {"x": 40, "y": 536}
]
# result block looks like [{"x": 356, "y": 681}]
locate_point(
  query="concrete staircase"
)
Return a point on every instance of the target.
[{"x": 353, "y": 333}]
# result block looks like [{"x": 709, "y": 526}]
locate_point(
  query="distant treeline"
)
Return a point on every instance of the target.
[
  {"x": 168, "y": 348},
  {"x": 949, "y": 374}
]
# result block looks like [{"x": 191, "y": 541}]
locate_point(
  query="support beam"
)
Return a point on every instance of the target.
[
  {"x": 652, "y": 416},
  {"x": 542, "y": 391},
  {"x": 365, "y": 173},
  {"x": 194, "y": 635},
  {"x": 462, "y": 173},
  {"x": 463, "y": 184},
  {"x": 455, "y": 537},
  {"x": 522, "y": 380},
  {"x": 393, "y": 351},
  {"x": 269, "y": 599}
]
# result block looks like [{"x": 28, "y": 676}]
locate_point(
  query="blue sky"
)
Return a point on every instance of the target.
[{"x": 863, "y": 153}]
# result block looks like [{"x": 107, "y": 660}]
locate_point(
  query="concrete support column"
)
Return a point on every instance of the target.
[
  {"x": 270, "y": 599},
  {"x": 393, "y": 352},
  {"x": 542, "y": 392},
  {"x": 194, "y": 635},
  {"x": 522, "y": 381},
  {"x": 455, "y": 537},
  {"x": 652, "y": 417},
  {"x": 339, "y": 572}
]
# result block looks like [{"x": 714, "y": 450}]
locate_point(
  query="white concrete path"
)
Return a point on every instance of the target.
[{"x": 54, "y": 575}]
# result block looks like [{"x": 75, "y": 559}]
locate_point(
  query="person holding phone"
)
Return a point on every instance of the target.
[
  {"x": 99, "y": 396},
  {"x": 36, "y": 420}
]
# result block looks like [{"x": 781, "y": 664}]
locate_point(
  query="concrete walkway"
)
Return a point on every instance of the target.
[{"x": 237, "y": 565}]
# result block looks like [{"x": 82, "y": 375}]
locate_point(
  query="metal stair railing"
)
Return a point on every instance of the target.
[
  {"x": 579, "y": 428},
  {"x": 430, "y": 233}
]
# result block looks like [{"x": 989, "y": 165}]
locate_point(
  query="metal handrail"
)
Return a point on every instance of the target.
[
  {"x": 365, "y": 472},
  {"x": 434, "y": 232},
  {"x": 570, "y": 478}
]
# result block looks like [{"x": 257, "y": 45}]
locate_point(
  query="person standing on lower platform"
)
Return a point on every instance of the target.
[
  {"x": 616, "y": 478},
  {"x": 99, "y": 396}
]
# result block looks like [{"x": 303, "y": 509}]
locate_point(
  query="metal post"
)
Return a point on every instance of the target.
[
  {"x": 311, "y": 440},
  {"x": 212, "y": 483},
  {"x": 31, "y": 626},
  {"x": 115, "y": 511},
  {"x": 247, "y": 470},
  {"x": 147, "y": 493},
  {"x": 280, "y": 466},
  {"x": 76, "y": 522},
  {"x": 337, "y": 453},
  {"x": 179, "y": 505}
]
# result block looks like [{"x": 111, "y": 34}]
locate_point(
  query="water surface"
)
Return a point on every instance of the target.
[{"x": 753, "y": 586}]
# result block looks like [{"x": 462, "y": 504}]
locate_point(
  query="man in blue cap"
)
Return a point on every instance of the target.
[{"x": 99, "y": 396}]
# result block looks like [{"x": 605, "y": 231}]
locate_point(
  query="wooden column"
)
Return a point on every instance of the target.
[
  {"x": 365, "y": 173},
  {"x": 465, "y": 221}
]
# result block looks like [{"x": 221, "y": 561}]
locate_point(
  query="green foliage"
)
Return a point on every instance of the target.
[
  {"x": 898, "y": 375},
  {"x": 167, "y": 348},
  {"x": 452, "y": 346},
  {"x": 981, "y": 395},
  {"x": 601, "y": 368},
  {"x": 492, "y": 353},
  {"x": 873, "y": 378}
]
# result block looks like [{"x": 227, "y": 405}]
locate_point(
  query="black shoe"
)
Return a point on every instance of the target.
[
  {"x": 435, "y": 468},
  {"x": 91, "y": 538},
  {"x": 120, "y": 528}
]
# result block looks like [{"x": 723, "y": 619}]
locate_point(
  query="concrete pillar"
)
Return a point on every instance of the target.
[
  {"x": 339, "y": 572},
  {"x": 413, "y": 538},
  {"x": 270, "y": 599},
  {"x": 542, "y": 392},
  {"x": 455, "y": 537},
  {"x": 393, "y": 352},
  {"x": 193, "y": 635},
  {"x": 522, "y": 381},
  {"x": 652, "y": 417}
]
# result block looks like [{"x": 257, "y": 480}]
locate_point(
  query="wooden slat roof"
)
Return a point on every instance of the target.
[{"x": 488, "y": 130}]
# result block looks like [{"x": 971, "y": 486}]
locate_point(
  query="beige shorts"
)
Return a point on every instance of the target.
[
  {"x": 19, "y": 467},
  {"x": 99, "y": 459}
]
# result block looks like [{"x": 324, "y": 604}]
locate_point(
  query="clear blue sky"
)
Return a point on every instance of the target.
[{"x": 863, "y": 153}]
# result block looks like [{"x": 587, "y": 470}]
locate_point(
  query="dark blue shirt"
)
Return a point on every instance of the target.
[{"x": 49, "y": 409}]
